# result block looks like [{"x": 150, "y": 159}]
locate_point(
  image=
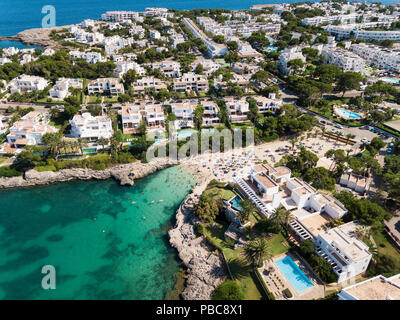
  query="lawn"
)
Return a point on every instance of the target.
[
  {"x": 241, "y": 272},
  {"x": 110, "y": 99},
  {"x": 94, "y": 99},
  {"x": 386, "y": 247},
  {"x": 220, "y": 192}
]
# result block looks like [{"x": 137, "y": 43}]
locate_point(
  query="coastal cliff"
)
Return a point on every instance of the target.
[
  {"x": 206, "y": 269},
  {"x": 124, "y": 173}
]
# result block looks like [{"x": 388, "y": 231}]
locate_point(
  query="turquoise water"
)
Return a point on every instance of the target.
[
  {"x": 349, "y": 114},
  {"x": 391, "y": 80},
  {"x": 235, "y": 203},
  {"x": 15, "y": 44},
  {"x": 185, "y": 133},
  {"x": 102, "y": 245},
  {"x": 294, "y": 274}
]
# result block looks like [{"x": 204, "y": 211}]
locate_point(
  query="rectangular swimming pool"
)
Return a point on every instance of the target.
[{"x": 294, "y": 274}]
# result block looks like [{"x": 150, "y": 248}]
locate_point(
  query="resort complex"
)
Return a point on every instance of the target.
[{"x": 275, "y": 130}]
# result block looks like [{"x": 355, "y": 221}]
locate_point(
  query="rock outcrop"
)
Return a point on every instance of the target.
[
  {"x": 205, "y": 268},
  {"x": 124, "y": 173}
]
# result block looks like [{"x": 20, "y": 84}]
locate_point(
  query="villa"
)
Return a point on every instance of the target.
[
  {"x": 340, "y": 247},
  {"x": 288, "y": 55},
  {"x": 191, "y": 82},
  {"x": 26, "y": 83},
  {"x": 354, "y": 181},
  {"x": 237, "y": 108},
  {"x": 168, "y": 68},
  {"x": 61, "y": 88},
  {"x": 270, "y": 104},
  {"x": 124, "y": 66},
  {"x": 90, "y": 57},
  {"x": 110, "y": 86},
  {"x": 133, "y": 115},
  {"x": 29, "y": 130},
  {"x": 86, "y": 126},
  {"x": 150, "y": 83},
  {"x": 376, "y": 288},
  {"x": 184, "y": 113}
]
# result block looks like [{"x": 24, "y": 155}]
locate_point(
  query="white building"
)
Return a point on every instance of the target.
[
  {"x": 150, "y": 83},
  {"x": 86, "y": 126},
  {"x": 123, "y": 67},
  {"x": 288, "y": 55},
  {"x": 347, "y": 254},
  {"x": 30, "y": 129},
  {"x": 268, "y": 104},
  {"x": 237, "y": 108},
  {"x": 90, "y": 57},
  {"x": 168, "y": 68},
  {"x": 60, "y": 89},
  {"x": 344, "y": 32},
  {"x": 356, "y": 182},
  {"x": 383, "y": 58},
  {"x": 344, "y": 59},
  {"x": 133, "y": 115},
  {"x": 184, "y": 114},
  {"x": 376, "y": 288},
  {"x": 26, "y": 83},
  {"x": 119, "y": 15},
  {"x": 191, "y": 82},
  {"x": 110, "y": 86}
]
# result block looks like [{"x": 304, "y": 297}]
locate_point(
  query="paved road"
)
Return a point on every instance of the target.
[{"x": 394, "y": 226}]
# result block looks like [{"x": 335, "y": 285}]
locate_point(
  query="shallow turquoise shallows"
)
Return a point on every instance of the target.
[
  {"x": 294, "y": 274},
  {"x": 102, "y": 244}
]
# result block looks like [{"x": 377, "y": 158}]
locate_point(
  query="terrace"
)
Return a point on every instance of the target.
[{"x": 277, "y": 281}]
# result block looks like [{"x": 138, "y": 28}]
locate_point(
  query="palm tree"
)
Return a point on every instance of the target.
[
  {"x": 363, "y": 233},
  {"x": 81, "y": 143},
  {"x": 281, "y": 218},
  {"x": 256, "y": 252},
  {"x": 293, "y": 142},
  {"x": 348, "y": 136},
  {"x": 103, "y": 142}
]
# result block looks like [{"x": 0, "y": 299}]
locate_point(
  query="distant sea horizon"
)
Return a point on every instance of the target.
[{"x": 19, "y": 15}]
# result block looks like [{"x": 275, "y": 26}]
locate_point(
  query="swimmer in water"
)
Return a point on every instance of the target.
[{"x": 133, "y": 202}]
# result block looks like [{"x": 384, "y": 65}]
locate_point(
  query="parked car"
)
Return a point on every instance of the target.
[
  {"x": 338, "y": 126},
  {"x": 364, "y": 140}
]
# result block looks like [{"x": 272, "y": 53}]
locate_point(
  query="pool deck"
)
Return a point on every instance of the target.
[{"x": 277, "y": 282}]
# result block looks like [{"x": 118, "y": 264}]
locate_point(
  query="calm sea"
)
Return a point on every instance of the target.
[
  {"x": 105, "y": 241},
  {"x": 18, "y": 15}
]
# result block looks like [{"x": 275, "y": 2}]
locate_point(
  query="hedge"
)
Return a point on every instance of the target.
[{"x": 268, "y": 293}]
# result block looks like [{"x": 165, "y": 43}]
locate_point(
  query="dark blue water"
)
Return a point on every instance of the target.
[{"x": 18, "y": 15}]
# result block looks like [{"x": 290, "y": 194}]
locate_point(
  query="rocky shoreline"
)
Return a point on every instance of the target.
[
  {"x": 206, "y": 270},
  {"x": 124, "y": 173}
]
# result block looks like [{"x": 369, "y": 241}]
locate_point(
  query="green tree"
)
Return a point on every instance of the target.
[
  {"x": 198, "y": 117},
  {"x": 348, "y": 81},
  {"x": 256, "y": 251},
  {"x": 228, "y": 290}
]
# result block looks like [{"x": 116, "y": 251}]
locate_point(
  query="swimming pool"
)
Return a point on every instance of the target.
[
  {"x": 391, "y": 80},
  {"x": 272, "y": 48},
  {"x": 294, "y": 274},
  {"x": 348, "y": 114},
  {"x": 185, "y": 133},
  {"x": 235, "y": 203}
]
